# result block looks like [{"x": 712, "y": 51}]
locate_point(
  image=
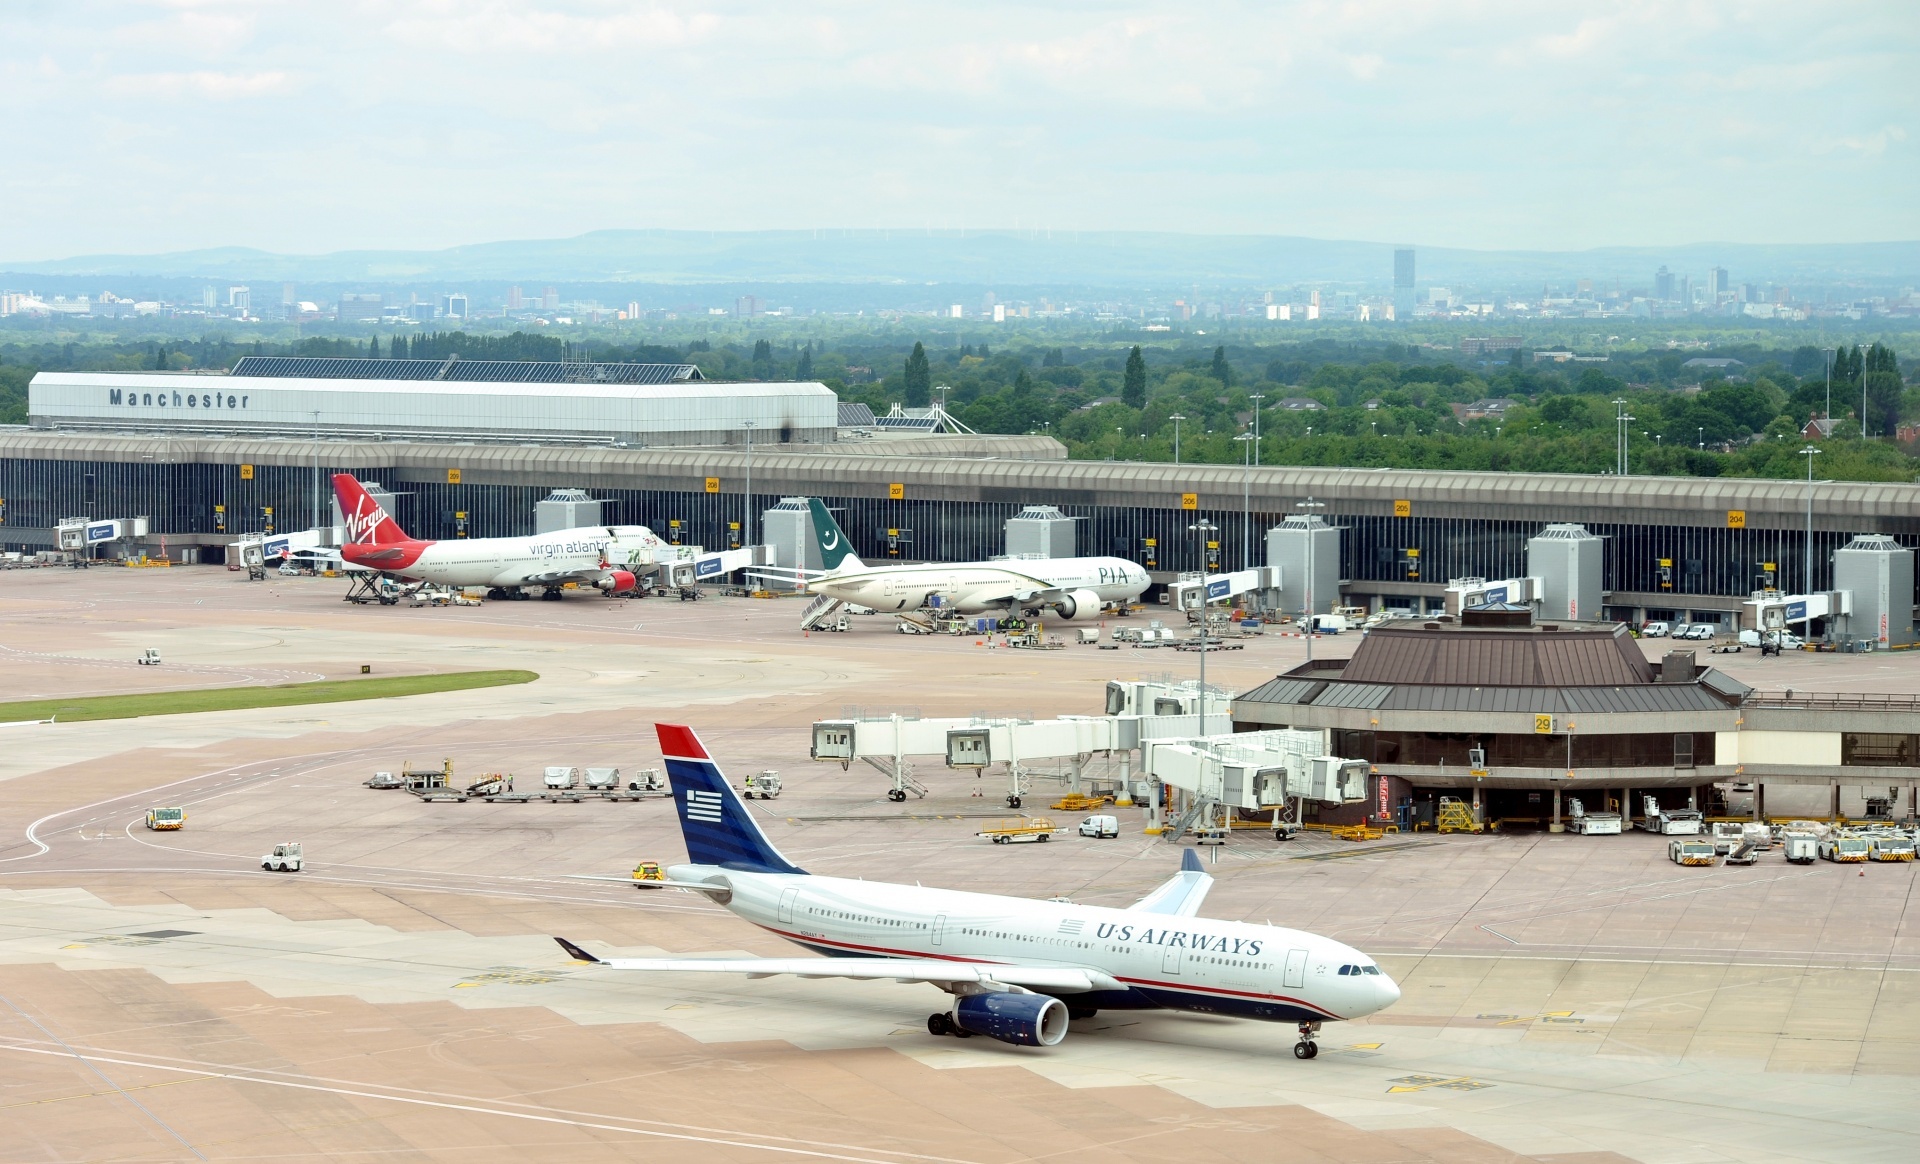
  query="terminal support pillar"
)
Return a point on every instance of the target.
[
  {"x": 1476, "y": 805},
  {"x": 1835, "y": 811},
  {"x": 1693, "y": 797},
  {"x": 1556, "y": 826},
  {"x": 1759, "y": 801}
]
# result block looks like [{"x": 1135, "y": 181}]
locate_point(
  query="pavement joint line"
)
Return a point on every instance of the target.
[{"x": 474, "y": 1105}]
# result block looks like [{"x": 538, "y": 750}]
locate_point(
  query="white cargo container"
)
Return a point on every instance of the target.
[
  {"x": 561, "y": 776},
  {"x": 603, "y": 779}
]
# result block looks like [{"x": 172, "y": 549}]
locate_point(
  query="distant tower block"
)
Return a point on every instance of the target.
[
  {"x": 1403, "y": 283},
  {"x": 1566, "y": 559},
  {"x": 1879, "y": 572},
  {"x": 1040, "y": 531}
]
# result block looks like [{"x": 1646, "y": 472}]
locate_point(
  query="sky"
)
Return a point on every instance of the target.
[{"x": 145, "y": 126}]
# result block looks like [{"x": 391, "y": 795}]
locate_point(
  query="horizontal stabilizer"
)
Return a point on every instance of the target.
[
  {"x": 1067, "y": 979},
  {"x": 1181, "y": 894}
]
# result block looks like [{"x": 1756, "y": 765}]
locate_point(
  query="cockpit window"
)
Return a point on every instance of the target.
[{"x": 1370, "y": 969}]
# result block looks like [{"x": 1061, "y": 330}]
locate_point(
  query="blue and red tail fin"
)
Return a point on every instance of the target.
[{"x": 714, "y": 820}]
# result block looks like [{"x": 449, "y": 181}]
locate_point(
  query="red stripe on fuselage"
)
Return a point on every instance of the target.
[{"x": 1189, "y": 987}]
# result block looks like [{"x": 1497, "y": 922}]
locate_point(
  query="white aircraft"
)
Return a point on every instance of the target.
[
  {"x": 1075, "y": 589},
  {"x": 607, "y": 557},
  {"x": 1018, "y": 970}
]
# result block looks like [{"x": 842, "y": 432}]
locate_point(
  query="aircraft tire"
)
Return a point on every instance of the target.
[
  {"x": 938, "y": 1024},
  {"x": 1305, "y": 1050}
]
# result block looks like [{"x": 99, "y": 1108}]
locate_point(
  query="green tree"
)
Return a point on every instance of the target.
[
  {"x": 762, "y": 360},
  {"x": 919, "y": 378},
  {"x": 373, "y": 348},
  {"x": 1133, "y": 389},
  {"x": 1885, "y": 392},
  {"x": 1221, "y": 370},
  {"x": 804, "y": 370}
]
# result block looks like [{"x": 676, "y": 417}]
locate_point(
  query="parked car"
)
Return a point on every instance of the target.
[
  {"x": 1656, "y": 630},
  {"x": 1698, "y": 630}
]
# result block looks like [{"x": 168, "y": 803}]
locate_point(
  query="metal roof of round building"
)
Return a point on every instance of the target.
[{"x": 1453, "y": 654}]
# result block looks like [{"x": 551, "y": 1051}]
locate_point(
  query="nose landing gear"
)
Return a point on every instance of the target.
[{"x": 1306, "y": 1048}]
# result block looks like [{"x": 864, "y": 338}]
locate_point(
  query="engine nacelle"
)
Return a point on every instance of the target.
[
  {"x": 1025, "y": 1020},
  {"x": 1078, "y": 606},
  {"x": 618, "y": 582}
]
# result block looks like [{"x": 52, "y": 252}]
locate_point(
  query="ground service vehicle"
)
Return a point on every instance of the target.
[
  {"x": 1592, "y": 824},
  {"x": 1682, "y": 851},
  {"x": 1100, "y": 826},
  {"x": 766, "y": 786},
  {"x": 603, "y": 779},
  {"x": 1890, "y": 846},
  {"x": 1018, "y": 970},
  {"x": 386, "y": 780},
  {"x": 162, "y": 820},
  {"x": 648, "y": 871},
  {"x": 1015, "y": 830},
  {"x": 150, "y": 657},
  {"x": 284, "y": 858},
  {"x": 1844, "y": 849},
  {"x": 1656, "y": 630},
  {"x": 1728, "y": 835},
  {"x": 1800, "y": 848}
]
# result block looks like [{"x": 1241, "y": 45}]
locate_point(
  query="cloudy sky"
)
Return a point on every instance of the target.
[{"x": 163, "y": 125}]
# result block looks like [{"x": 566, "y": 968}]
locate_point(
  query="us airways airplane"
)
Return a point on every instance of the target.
[
  {"x": 1075, "y": 589},
  {"x": 607, "y": 557},
  {"x": 1018, "y": 970}
]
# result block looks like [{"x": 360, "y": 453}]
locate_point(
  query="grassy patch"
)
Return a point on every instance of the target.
[{"x": 233, "y": 698}]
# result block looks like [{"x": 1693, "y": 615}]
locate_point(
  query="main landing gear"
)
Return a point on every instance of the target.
[
  {"x": 940, "y": 1023},
  {"x": 1013, "y": 802},
  {"x": 1306, "y": 1048}
]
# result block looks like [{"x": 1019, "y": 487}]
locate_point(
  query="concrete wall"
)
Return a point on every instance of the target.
[{"x": 1763, "y": 747}]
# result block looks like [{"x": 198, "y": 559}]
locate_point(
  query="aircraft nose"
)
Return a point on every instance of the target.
[{"x": 1388, "y": 990}]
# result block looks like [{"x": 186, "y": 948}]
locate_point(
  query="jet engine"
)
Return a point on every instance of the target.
[
  {"x": 1078, "y": 606},
  {"x": 617, "y": 582},
  {"x": 1025, "y": 1020}
]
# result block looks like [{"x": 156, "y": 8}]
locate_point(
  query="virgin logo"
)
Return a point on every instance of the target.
[{"x": 361, "y": 526}]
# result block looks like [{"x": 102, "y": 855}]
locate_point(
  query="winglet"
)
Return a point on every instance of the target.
[
  {"x": 1190, "y": 861},
  {"x": 575, "y": 952}
]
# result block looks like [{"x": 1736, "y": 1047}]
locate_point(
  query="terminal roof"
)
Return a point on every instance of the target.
[{"x": 469, "y": 371}]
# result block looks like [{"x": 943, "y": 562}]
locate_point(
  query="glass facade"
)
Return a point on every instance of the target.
[
  {"x": 1643, "y": 750},
  {"x": 181, "y": 499}
]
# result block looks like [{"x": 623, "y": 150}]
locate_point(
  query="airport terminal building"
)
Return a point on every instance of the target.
[{"x": 471, "y": 447}]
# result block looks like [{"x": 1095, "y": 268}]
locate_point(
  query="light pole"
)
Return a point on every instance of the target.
[
  {"x": 746, "y": 516},
  {"x": 1203, "y": 531},
  {"x": 1806, "y": 589},
  {"x": 1246, "y": 440},
  {"x": 1702, "y": 429},
  {"x": 1256, "y": 398},
  {"x": 1310, "y": 505},
  {"x": 1176, "y": 418},
  {"x": 316, "y": 471}
]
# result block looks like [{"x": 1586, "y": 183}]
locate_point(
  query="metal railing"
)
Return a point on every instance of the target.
[{"x": 1834, "y": 700}]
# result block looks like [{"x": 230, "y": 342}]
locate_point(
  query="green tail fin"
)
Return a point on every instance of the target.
[{"x": 831, "y": 539}]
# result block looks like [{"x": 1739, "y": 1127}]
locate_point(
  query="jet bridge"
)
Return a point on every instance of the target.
[
  {"x": 979, "y": 742},
  {"x": 1252, "y": 770}
]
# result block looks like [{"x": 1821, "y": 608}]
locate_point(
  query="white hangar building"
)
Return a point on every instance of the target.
[{"x": 635, "y": 405}]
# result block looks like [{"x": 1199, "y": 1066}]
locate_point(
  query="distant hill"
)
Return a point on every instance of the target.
[{"x": 994, "y": 258}]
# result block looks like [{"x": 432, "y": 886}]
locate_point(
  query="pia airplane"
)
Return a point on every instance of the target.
[
  {"x": 607, "y": 557},
  {"x": 1076, "y": 589},
  {"x": 1019, "y": 970}
]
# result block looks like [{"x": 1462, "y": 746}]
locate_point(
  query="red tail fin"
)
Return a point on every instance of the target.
[{"x": 367, "y": 522}]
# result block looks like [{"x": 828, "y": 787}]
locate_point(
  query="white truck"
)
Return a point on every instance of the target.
[
  {"x": 647, "y": 781},
  {"x": 1800, "y": 848},
  {"x": 1728, "y": 835},
  {"x": 149, "y": 657},
  {"x": 1672, "y": 822},
  {"x": 1103, "y": 827},
  {"x": 561, "y": 776},
  {"x": 284, "y": 858},
  {"x": 1592, "y": 824}
]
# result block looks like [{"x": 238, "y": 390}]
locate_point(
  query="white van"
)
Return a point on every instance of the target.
[
  {"x": 1105, "y": 827},
  {"x": 1655, "y": 630}
]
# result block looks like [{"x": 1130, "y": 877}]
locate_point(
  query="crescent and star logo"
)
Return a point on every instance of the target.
[{"x": 831, "y": 541}]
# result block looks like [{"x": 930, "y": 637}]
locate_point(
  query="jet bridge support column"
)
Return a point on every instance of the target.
[
  {"x": 1073, "y": 776},
  {"x": 1476, "y": 804},
  {"x": 1556, "y": 826}
]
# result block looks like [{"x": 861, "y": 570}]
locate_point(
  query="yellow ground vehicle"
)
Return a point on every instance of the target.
[
  {"x": 166, "y": 819},
  {"x": 648, "y": 871},
  {"x": 1080, "y": 802}
]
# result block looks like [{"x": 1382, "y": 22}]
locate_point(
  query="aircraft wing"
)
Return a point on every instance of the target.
[
  {"x": 1068, "y": 979},
  {"x": 1181, "y": 894}
]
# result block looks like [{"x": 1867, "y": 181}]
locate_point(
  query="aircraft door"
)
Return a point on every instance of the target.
[
  {"x": 1170, "y": 962},
  {"x": 786, "y": 905},
  {"x": 1296, "y": 974},
  {"x": 939, "y": 928}
]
